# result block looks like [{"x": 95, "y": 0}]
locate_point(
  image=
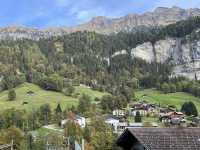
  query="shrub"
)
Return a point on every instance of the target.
[
  {"x": 69, "y": 90},
  {"x": 165, "y": 88},
  {"x": 11, "y": 95},
  {"x": 189, "y": 109}
]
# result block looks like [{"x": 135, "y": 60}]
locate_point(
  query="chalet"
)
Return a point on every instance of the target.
[
  {"x": 172, "y": 117},
  {"x": 121, "y": 126},
  {"x": 119, "y": 113},
  {"x": 140, "y": 107},
  {"x": 113, "y": 122},
  {"x": 143, "y": 109},
  {"x": 81, "y": 121},
  {"x": 160, "y": 139}
]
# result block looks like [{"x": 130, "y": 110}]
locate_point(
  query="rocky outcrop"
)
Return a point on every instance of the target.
[
  {"x": 185, "y": 54},
  {"x": 18, "y": 32}
]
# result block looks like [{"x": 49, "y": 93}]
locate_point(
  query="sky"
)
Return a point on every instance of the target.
[{"x": 58, "y": 13}]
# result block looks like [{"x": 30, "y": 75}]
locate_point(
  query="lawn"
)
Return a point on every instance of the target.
[
  {"x": 176, "y": 99},
  {"x": 79, "y": 90},
  {"x": 41, "y": 96},
  {"x": 35, "y": 100}
]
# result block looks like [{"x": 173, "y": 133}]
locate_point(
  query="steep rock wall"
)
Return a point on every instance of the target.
[{"x": 182, "y": 52}]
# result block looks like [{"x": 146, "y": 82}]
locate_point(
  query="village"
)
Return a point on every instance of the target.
[
  {"x": 143, "y": 114},
  {"x": 138, "y": 115}
]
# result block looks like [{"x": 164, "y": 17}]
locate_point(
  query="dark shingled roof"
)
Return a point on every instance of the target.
[{"x": 163, "y": 138}]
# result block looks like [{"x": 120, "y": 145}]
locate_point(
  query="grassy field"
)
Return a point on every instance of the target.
[
  {"x": 41, "y": 96},
  {"x": 176, "y": 99},
  {"x": 93, "y": 94}
]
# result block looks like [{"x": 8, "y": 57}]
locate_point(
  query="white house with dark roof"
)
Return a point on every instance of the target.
[
  {"x": 119, "y": 112},
  {"x": 81, "y": 121},
  {"x": 113, "y": 122}
]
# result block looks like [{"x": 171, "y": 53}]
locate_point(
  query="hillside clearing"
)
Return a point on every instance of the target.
[
  {"x": 40, "y": 96},
  {"x": 79, "y": 90},
  {"x": 177, "y": 99}
]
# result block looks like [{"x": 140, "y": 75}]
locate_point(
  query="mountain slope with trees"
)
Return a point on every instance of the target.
[{"x": 89, "y": 58}]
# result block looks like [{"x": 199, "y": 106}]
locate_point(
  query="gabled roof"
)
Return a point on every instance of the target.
[
  {"x": 174, "y": 113},
  {"x": 106, "y": 117},
  {"x": 162, "y": 138}
]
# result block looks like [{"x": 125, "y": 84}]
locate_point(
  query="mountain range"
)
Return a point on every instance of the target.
[
  {"x": 161, "y": 16},
  {"x": 184, "y": 51}
]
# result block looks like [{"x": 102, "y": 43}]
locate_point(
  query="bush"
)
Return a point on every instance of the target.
[
  {"x": 172, "y": 88},
  {"x": 84, "y": 103},
  {"x": 165, "y": 88},
  {"x": 11, "y": 95},
  {"x": 69, "y": 90},
  {"x": 179, "y": 87},
  {"x": 189, "y": 109}
]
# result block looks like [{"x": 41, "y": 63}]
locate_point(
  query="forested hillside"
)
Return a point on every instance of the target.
[{"x": 103, "y": 62}]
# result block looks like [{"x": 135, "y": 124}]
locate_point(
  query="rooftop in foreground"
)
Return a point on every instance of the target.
[{"x": 160, "y": 139}]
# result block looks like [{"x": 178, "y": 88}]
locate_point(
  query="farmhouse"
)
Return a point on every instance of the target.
[
  {"x": 119, "y": 112},
  {"x": 81, "y": 121},
  {"x": 160, "y": 139},
  {"x": 121, "y": 126},
  {"x": 113, "y": 122},
  {"x": 143, "y": 108},
  {"x": 172, "y": 117}
]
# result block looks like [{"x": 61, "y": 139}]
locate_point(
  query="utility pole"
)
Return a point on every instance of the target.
[
  {"x": 47, "y": 145},
  {"x": 83, "y": 145},
  {"x": 68, "y": 144},
  {"x": 12, "y": 143}
]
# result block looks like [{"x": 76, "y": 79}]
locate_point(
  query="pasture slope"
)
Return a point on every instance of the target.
[
  {"x": 40, "y": 96},
  {"x": 177, "y": 99}
]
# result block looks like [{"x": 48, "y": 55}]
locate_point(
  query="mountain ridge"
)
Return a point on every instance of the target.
[{"x": 161, "y": 16}]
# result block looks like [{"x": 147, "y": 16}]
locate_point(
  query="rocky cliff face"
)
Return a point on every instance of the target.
[
  {"x": 159, "y": 17},
  {"x": 14, "y": 33},
  {"x": 184, "y": 53}
]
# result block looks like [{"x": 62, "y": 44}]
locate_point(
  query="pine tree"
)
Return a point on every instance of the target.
[{"x": 58, "y": 109}]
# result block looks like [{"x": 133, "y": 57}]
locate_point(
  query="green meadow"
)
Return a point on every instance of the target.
[
  {"x": 176, "y": 99},
  {"x": 41, "y": 96}
]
